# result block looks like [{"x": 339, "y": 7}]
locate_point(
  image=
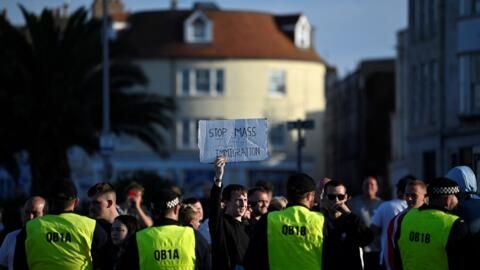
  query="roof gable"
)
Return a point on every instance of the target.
[
  {"x": 198, "y": 28},
  {"x": 235, "y": 34},
  {"x": 297, "y": 28}
]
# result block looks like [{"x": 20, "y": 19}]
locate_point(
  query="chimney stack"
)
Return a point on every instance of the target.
[
  {"x": 65, "y": 7},
  {"x": 173, "y": 4},
  {"x": 4, "y": 13}
]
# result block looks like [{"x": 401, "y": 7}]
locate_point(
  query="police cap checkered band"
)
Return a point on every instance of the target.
[
  {"x": 173, "y": 203},
  {"x": 165, "y": 199},
  {"x": 443, "y": 186},
  {"x": 445, "y": 190}
]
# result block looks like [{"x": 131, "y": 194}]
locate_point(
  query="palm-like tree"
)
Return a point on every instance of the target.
[{"x": 51, "y": 94}]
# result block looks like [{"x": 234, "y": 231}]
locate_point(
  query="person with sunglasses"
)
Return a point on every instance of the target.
[{"x": 345, "y": 232}]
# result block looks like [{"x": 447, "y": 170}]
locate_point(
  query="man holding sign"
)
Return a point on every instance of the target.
[
  {"x": 228, "y": 231},
  {"x": 237, "y": 140}
]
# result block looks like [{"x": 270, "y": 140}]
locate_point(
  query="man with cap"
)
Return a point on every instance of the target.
[
  {"x": 61, "y": 239},
  {"x": 292, "y": 238},
  {"x": 167, "y": 244},
  {"x": 431, "y": 237}
]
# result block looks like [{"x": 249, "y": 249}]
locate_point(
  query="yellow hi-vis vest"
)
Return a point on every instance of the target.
[
  {"x": 423, "y": 238},
  {"x": 295, "y": 239},
  {"x": 59, "y": 242},
  {"x": 166, "y": 247}
]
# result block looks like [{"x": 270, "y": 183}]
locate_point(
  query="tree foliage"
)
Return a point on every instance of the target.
[{"x": 51, "y": 94}]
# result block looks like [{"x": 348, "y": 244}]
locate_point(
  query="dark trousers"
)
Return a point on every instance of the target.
[{"x": 371, "y": 261}]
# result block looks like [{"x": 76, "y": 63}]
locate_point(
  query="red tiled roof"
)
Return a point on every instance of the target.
[{"x": 236, "y": 34}]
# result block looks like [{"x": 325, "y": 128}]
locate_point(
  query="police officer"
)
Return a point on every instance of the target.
[
  {"x": 61, "y": 239},
  {"x": 292, "y": 238},
  {"x": 430, "y": 237},
  {"x": 167, "y": 244}
]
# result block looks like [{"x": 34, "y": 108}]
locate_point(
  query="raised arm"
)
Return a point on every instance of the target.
[{"x": 215, "y": 195}]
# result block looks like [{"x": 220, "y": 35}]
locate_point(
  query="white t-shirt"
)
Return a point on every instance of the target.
[
  {"x": 385, "y": 212},
  {"x": 8, "y": 249}
]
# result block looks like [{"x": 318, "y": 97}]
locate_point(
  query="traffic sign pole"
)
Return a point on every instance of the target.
[{"x": 300, "y": 125}]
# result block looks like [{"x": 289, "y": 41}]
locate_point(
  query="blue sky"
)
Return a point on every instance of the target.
[{"x": 346, "y": 31}]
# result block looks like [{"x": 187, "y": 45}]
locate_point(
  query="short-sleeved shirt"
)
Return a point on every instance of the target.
[{"x": 385, "y": 212}]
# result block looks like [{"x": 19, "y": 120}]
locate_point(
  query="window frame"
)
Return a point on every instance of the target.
[
  {"x": 468, "y": 8},
  {"x": 193, "y": 26},
  {"x": 277, "y": 82},
  {"x": 469, "y": 84},
  {"x": 187, "y": 127},
  {"x": 189, "y": 81},
  {"x": 277, "y": 130}
]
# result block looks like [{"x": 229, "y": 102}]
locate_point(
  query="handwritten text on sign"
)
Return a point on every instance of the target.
[{"x": 238, "y": 139}]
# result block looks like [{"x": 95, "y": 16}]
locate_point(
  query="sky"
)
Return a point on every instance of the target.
[{"x": 346, "y": 31}]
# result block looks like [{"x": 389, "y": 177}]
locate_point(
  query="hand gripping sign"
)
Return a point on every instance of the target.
[{"x": 238, "y": 139}]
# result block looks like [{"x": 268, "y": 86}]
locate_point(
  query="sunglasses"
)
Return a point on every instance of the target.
[{"x": 332, "y": 197}]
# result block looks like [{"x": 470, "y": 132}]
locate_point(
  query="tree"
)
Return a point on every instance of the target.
[{"x": 51, "y": 94}]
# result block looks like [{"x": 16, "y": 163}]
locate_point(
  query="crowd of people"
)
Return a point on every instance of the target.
[{"x": 432, "y": 224}]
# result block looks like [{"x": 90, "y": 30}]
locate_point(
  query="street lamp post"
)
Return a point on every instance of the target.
[
  {"x": 106, "y": 138},
  {"x": 300, "y": 125}
]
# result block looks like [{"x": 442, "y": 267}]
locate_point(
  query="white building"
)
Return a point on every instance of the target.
[{"x": 221, "y": 64}]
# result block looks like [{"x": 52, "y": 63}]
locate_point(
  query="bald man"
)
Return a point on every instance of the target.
[{"x": 33, "y": 207}]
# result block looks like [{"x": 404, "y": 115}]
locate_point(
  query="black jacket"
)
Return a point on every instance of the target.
[
  {"x": 229, "y": 236},
  {"x": 343, "y": 239}
]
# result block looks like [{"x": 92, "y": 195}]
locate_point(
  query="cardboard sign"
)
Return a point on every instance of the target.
[{"x": 237, "y": 140}]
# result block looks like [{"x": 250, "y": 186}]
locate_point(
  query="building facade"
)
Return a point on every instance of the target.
[
  {"x": 437, "y": 121},
  {"x": 358, "y": 123},
  {"x": 221, "y": 64}
]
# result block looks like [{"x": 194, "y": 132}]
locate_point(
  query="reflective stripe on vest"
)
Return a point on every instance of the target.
[
  {"x": 295, "y": 238},
  {"x": 166, "y": 247},
  {"x": 59, "y": 242},
  {"x": 423, "y": 238}
]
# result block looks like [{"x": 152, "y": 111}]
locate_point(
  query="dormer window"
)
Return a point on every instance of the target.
[
  {"x": 303, "y": 33},
  {"x": 198, "y": 28}
]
